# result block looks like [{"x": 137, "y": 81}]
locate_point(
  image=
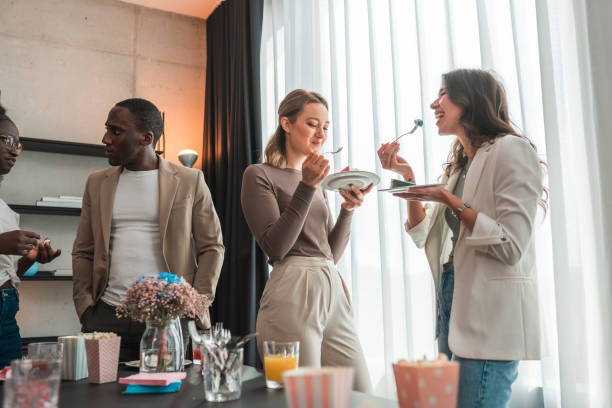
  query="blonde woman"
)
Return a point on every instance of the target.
[
  {"x": 479, "y": 236},
  {"x": 305, "y": 298}
]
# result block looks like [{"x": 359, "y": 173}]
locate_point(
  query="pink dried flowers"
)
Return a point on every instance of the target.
[{"x": 161, "y": 298}]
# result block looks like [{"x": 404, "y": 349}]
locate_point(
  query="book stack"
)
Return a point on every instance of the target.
[
  {"x": 63, "y": 272},
  {"x": 152, "y": 383},
  {"x": 61, "y": 201}
]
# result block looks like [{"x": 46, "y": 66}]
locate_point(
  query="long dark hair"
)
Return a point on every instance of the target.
[{"x": 485, "y": 114}]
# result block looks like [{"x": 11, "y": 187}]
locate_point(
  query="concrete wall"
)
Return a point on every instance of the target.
[{"x": 63, "y": 65}]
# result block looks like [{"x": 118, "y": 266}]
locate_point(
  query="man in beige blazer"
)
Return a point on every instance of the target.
[{"x": 142, "y": 216}]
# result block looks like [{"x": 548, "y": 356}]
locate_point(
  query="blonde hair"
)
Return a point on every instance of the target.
[{"x": 290, "y": 107}]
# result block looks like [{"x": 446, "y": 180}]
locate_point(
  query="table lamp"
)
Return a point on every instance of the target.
[{"x": 188, "y": 157}]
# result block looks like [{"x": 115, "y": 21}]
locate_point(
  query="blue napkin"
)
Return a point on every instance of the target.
[
  {"x": 152, "y": 389},
  {"x": 32, "y": 270}
]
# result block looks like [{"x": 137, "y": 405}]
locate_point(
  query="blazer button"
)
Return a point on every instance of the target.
[{"x": 503, "y": 238}]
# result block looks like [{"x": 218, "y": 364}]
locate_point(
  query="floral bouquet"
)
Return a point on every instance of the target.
[
  {"x": 158, "y": 301},
  {"x": 161, "y": 298}
]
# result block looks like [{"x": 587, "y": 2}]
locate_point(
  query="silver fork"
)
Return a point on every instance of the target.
[
  {"x": 224, "y": 337},
  {"x": 216, "y": 331},
  {"x": 417, "y": 123},
  {"x": 338, "y": 150}
]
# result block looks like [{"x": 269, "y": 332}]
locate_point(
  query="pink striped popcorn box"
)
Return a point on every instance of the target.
[
  {"x": 74, "y": 365},
  {"x": 427, "y": 385},
  {"x": 102, "y": 359},
  {"x": 325, "y": 387}
]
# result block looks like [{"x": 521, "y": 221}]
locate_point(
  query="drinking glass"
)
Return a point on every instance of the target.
[
  {"x": 196, "y": 348},
  {"x": 222, "y": 373},
  {"x": 33, "y": 383},
  {"x": 46, "y": 351},
  {"x": 278, "y": 358}
]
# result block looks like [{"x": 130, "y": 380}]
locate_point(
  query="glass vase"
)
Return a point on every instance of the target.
[{"x": 161, "y": 347}]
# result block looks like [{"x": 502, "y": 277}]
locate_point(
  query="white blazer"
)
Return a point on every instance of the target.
[{"x": 494, "y": 314}]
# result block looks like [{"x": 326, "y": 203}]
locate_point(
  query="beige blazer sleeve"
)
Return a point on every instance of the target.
[
  {"x": 517, "y": 182},
  {"x": 83, "y": 257},
  {"x": 208, "y": 238},
  {"x": 419, "y": 232}
]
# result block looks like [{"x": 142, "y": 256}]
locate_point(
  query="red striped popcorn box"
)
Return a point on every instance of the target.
[
  {"x": 427, "y": 384},
  {"x": 325, "y": 387},
  {"x": 75, "y": 358},
  {"x": 102, "y": 359}
]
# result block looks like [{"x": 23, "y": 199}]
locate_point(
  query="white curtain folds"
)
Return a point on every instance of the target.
[{"x": 379, "y": 64}]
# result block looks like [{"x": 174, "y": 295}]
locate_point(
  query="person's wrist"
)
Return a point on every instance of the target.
[
  {"x": 451, "y": 201},
  {"x": 309, "y": 183},
  {"x": 459, "y": 211},
  {"x": 347, "y": 207}
]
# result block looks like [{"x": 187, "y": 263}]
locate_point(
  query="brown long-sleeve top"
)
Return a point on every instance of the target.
[{"x": 290, "y": 218}]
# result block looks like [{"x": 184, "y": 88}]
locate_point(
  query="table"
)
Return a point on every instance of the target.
[{"x": 254, "y": 395}]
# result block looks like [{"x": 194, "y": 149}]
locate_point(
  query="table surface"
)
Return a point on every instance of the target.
[{"x": 254, "y": 395}]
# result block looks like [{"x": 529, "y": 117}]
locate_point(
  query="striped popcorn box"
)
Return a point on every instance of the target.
[
  {"x": 102, "y": 359},
  {"x": 325, "y": 387},
  {"x": 427, "y": 384},
  {"x": 75, "y": 357}
]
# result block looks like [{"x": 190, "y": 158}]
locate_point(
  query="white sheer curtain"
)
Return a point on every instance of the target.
[
  {"x": 574, "y": 136},
  {"x": 379, "y": 62}
]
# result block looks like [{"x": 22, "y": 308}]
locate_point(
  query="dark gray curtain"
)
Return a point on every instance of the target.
[{"x": 232, "y": 141}]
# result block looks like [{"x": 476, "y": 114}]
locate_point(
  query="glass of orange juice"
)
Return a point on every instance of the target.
[{"x": 278, "y": 358}]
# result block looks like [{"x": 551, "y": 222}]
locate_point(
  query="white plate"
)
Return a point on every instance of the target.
[
  {"x": 136, "y": 363},
  {"x": 407, "y": 188},
  {"x": 343, "y": 180}
]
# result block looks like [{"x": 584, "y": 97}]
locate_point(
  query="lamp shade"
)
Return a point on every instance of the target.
[{"x": 188, "y": 157}]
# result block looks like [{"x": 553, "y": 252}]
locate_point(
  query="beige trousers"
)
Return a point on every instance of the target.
[{"x": 306, "y": 300}]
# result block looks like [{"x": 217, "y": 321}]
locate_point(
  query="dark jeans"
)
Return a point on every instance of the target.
[
  {"x": 445, "y": 301},
  {"x": 482, "y": 383},
  {"x": 10, "y": 339},
  {"x": 102, "y": 318}
]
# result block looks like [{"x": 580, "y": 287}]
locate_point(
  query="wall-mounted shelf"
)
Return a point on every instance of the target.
[
  {"x": 33, "y": 209},
  {"x": 58, "y": 146},
  {"x": 46, "y": 278}
]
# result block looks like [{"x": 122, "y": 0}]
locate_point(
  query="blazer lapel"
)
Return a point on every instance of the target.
[
  {"x": 168, "y": 185},
  {"x": 473, "y": 176},
  {"x": 107, "y": 199}
]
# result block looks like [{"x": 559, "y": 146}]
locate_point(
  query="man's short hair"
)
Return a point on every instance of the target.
[{"x": 146, "y": 116}]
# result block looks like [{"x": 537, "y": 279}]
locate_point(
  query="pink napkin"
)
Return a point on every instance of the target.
[{"x": 159, "y": 379}]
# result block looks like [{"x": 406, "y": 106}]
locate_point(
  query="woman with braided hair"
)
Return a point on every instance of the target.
[{"x": 18, "y": 249}]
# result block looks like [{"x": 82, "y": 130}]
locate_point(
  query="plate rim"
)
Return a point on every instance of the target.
[
  {"x": 373, "y": 177},
  {"x": 406, "y": 188}
]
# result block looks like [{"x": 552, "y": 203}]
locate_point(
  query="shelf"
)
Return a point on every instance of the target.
[
  {"x": 45, "y": 278},
  {"x": 33, "y": 209},
  {"x": 57, "y": 146}
]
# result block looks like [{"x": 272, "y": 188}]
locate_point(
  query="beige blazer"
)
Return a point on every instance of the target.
[
  {"x": 495, "y": 299},
  {"x": 192, "y": 244}
]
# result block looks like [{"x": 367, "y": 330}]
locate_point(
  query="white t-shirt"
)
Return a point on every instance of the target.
[
  {"x": 9, "y": 221},
  {"x": 135, "y": 241}
]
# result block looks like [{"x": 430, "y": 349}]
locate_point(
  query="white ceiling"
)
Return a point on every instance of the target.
[{"x": 195, "y": 8}]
